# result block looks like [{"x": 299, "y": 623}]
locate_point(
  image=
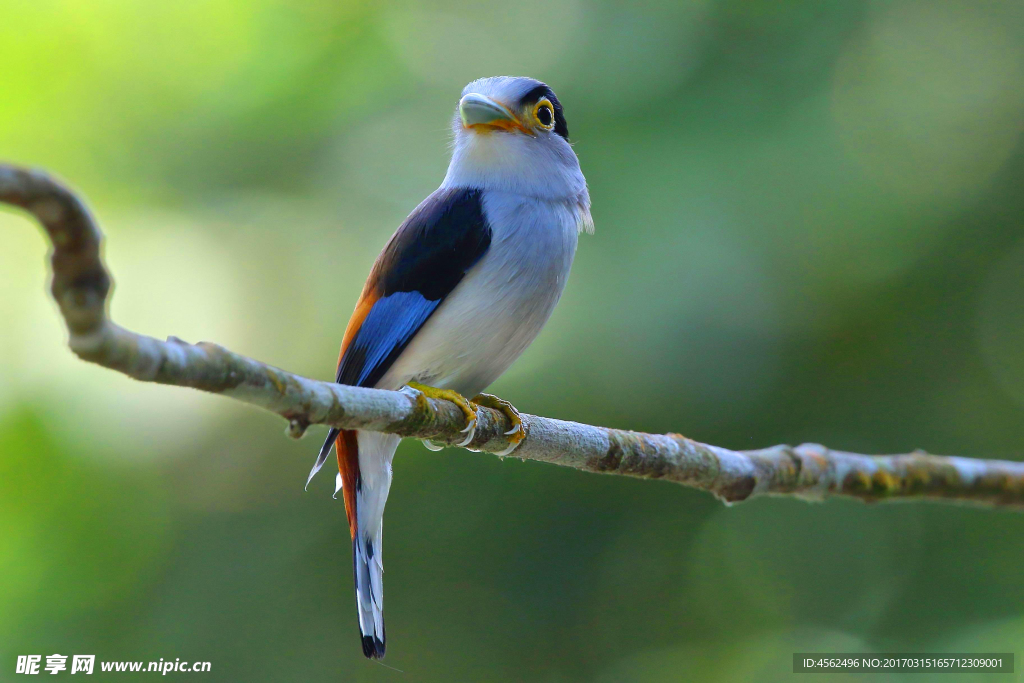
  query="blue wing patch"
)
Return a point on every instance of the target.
[{"x": 387, "y": 330}]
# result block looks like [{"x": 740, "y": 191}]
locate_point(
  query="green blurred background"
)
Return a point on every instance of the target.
[{"x": 810, "y": 227}]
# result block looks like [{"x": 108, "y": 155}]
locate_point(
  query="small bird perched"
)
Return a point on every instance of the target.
[{"x": 458, "y": 293}]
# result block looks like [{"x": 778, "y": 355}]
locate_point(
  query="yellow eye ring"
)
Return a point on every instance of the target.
[{"x": 544, "y": 114}]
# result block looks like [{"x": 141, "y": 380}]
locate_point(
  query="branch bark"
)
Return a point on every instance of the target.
[{"x": 81, "y": 286}]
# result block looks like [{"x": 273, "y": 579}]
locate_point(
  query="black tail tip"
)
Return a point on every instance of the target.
[{"x": 373, "y": 647}]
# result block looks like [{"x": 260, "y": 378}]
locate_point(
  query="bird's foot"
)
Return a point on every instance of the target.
[
  {"x": 458, "y": 399},
  {"x": 517, "y": 433}
]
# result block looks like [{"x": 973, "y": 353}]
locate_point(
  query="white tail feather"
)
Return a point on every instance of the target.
[{"x": 375, "y": 454}]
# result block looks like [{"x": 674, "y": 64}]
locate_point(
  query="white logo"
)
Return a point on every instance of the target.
[
  {"x": 82, "y": 663},
  {"x": 28, "y": 664},
  {"x": 55, "y": 663}
]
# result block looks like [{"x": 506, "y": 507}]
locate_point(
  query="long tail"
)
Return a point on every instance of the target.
[{"x": 364, "y": 466}]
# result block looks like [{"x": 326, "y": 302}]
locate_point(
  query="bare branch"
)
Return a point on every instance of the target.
[{"x": 81, "y": 286}]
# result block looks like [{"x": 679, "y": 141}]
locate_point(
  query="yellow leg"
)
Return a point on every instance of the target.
[
  {"x": 517, "y": 433},
  {"x": 458, "y": 399}
]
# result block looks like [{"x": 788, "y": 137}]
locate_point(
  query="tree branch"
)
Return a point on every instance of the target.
[{"x": 81, "y": 286}]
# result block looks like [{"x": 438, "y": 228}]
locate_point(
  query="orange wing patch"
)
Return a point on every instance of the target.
[
  {"x": 363, "y": 306},
  {"x": 348, "y": 465}
]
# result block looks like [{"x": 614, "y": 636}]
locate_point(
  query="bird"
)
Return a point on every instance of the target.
[{"x": 458, "y": 293}]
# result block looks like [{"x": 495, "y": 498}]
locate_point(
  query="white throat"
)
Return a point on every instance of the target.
[{"x": 543, "y": 167}]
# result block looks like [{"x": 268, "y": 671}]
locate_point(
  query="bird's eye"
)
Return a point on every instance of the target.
[{"x": 544, "y": 114}]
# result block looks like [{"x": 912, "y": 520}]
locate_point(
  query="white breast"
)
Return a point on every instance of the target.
[{"x": 490, "y": 318}]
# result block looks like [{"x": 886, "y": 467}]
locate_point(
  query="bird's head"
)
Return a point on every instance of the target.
[
  {"x": 511, "y": 105},
  {"x": 510, "y": 134}
]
